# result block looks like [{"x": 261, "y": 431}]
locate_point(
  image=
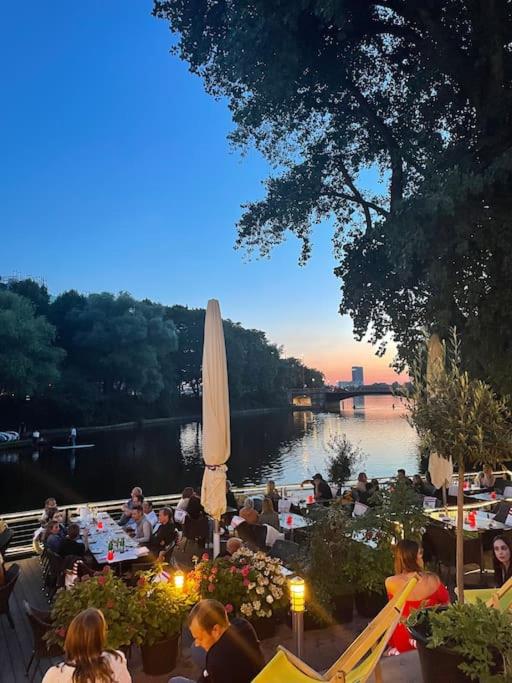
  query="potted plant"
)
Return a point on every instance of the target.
[
  {"x": 464, "y": 642},
  {"x": 460, "y": 418},
  {"x": 106, "y": 592},
  {"x": 162, "y": 609},
  {"x": 266, "y": 595}
]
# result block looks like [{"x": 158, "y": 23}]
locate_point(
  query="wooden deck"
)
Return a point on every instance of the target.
[{"x": 321, "y": 646}]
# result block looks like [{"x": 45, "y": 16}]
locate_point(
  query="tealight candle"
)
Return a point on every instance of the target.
[{"x": 289, "y": 520}]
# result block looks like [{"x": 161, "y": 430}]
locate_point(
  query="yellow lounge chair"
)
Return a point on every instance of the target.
[
  {"x": 356, "y": 664},
  {"x": 500, "y": 598}
]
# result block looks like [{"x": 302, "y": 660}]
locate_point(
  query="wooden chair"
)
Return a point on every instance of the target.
[
  {"x": 356, "y": 664},
  {"x": 11, "y": 576},
  {"x": 40, "y": 624}
]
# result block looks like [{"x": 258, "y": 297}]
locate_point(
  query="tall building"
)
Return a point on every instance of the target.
[{"x": 357, "y": 376}]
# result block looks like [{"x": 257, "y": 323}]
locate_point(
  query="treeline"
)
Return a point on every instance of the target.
[{"x": 103, "y": 358}]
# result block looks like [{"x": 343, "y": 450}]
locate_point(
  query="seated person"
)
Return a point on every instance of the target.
[
  {"x": 322, "y": 489},
  {"x": 501, "y": 557},
  {"x": 164, "y": 532},
  {"x": 254, "y": 536},
  {"x": 230, "y": 496},
  {"x": 232, "y": 545},
  {"x": 196, "y": 531},
  {"x": 232, "y": 649},
  {"x": 273, "y": 494},
  {"x": 402, "y": 478},
  {"x": 429, "y": 590},
  {"x": 186, "y": 495},
  {"x": 417, "y": 484},
  {"x": 362, "y": 482},
  {"x": 486, "y": 479},
  {"x": 135, "y": 498},
  {"x": 147, "y": 507},
  {"x": 428, "y": 487},
  {"x": 143, "y": 528},
  {"x": 248, "y": 512},
  {"x": 50, "y": 508},
  {"x": 268, "y": 514},
  {"x": 129, "y": 524},
  {"x": 2, "y": 571},
  {"x": 53, "y": 537},
  {"x": 71, "y": 544}
]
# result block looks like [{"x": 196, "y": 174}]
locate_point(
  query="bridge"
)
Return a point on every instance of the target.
[{"x": 324, "y": 398}]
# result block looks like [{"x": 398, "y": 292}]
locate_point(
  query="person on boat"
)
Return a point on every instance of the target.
[
  {"x": 272, "y": 493},
  {"x": 87, "y": 657},
  {"x": 232, "y": 649},
  {"x": 501, "y": 558},
  {"x": 322, "y": 489},
  {"x": 72, "y": 436},
  {"x": 429, "y": 591},
  {"x": 485, "y": 479}
]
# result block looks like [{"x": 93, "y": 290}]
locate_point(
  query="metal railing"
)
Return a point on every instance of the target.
[{"x": 24, "y": 524}]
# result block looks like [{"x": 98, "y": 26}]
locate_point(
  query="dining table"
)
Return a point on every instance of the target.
[
  {"x": 102, "y": 530},
  {"x": 484, "y": 521},
  {"x": 289, "y": 521}
]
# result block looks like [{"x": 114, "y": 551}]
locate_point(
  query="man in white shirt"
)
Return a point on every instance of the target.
[{"x": 147, "y": 507}]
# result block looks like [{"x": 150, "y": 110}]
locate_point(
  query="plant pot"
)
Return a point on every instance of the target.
[
  {"x": 440, "y": 664},
  {"x": 370, "y": 604},
  {"x": 343, "y": 611},
  {"x": 265, "y": 627},
  {"x": 161, "y": 657}
]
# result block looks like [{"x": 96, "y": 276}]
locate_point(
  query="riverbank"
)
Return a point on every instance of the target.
[{"x": 48, "y": 434}]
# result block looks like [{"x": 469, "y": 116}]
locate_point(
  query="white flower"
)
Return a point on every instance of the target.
[
  {"x": 260, "y": 590},
  {"x": 251, "y": 585},
  {"x": 256, "y": 604},
  {"x": 270, "y": 599},
  {"x": 262, "y": 613}
]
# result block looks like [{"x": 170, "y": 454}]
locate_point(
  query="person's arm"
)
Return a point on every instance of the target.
[
  {"x": 308, "y": 481},
  {"x": 146, "y": 532},
  {"x": 120, "y": 668}
]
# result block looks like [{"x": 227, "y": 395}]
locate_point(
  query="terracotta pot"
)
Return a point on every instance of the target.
[{"x": 161, "y": 657}]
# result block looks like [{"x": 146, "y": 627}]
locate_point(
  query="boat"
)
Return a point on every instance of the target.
[{"x": 70, "y": 447}]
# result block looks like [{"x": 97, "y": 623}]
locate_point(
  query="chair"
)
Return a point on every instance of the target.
[
  {"x": 55, "y": 575},
  {"x": 507, "y": 492},
  {"x": 11, "y": 576},
  {"x": 5, "y": 539},
  {"x": 500, "y": 485},
  {"x": 40, "y": 623},
  {"x": 500, "y": 598},
  {"x": 356, "y": 664}
]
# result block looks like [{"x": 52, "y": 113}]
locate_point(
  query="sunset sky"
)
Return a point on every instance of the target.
[{"x": 117, "y": 175}]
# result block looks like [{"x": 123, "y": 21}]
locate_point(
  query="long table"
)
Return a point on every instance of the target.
[
  {"x": 484, "y": 521},
  {"x": 98, "y": 540}
]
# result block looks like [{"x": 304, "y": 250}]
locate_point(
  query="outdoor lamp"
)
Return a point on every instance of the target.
[
  {"x": 179, "y": 580},
  {"x": 297, "y": 594}
]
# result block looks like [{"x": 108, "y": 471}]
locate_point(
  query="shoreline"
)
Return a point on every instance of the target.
[{"x": 139, "y": 424}]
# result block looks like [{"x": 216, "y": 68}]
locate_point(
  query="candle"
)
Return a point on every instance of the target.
[
  {"x": 100, "y": 525},
  {"x": 289, "y": 520},
  {"x": 311, "y": 500},
  {"x": 110, "y": 555},
  {"x": 493, "y": 495}
]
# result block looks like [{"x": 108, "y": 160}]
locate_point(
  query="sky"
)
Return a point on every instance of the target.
[{"x": 117, "y": 176}]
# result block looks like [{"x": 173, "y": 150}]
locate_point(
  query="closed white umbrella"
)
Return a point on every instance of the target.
[{"x": 216, "y": 428}]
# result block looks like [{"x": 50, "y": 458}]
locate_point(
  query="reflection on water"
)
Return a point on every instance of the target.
[{"x": 284, "y": 446}]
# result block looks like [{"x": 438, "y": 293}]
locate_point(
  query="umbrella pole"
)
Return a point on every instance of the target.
[
  {"x": 445, "y": 501},
  {"x": 216, "y": 539}
]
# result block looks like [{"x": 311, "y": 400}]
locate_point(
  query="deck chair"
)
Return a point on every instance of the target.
[
  {"x": 356, "y": 664},
  {"x": 500, "y": 598}
]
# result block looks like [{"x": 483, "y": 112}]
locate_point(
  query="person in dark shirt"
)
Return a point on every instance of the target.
[
  {"x": 322, "y": 489},
  {"x": 230, "y": 497},
  {"x": 53, "y": 537},
  {"x": 232, "y": 650},
  {"x": 71, "y": 545},
  {"x": 164, "y": 532}
]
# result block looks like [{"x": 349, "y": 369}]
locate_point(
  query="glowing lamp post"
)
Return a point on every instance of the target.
[
  {"x": 297, "y": 604},
  {"x": 179, "y": 580}
]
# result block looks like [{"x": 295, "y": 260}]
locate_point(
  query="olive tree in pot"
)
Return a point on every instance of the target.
[
  {"x": 459, "y": 418},
  {"x": 463, "y": 642},
  {"x": 162, "y": 609}
]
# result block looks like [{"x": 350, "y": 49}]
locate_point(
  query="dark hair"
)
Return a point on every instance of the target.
[
  {"x": 148, "y": 502},
  {"x": 401, "y": 471},
  {"x": 137, "y": 507},
  {"x": 139, "y": 499},
  {"x": 194, "y": 508},
  {"x": 187, "y": 492},
  {"x": 498, "y": 567},
  {"x": 317, "y": 476},
  {"x": 208, "y": 613},
  {"x": 73, "y": 531},
  {"x": 167, "y": 511},
  {"x": 48, "y": 501},
  {"x": 406, "y": 557},
  {"x": 48, "y": 528}
]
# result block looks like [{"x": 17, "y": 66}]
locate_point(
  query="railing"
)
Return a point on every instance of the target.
[{"x": 24, "y": 524}]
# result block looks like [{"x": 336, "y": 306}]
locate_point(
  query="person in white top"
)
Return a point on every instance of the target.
[
  {"x": 186, "y": 495},
  {"x": 87, "y": 658},
  {"x": 147, "y": 507}
]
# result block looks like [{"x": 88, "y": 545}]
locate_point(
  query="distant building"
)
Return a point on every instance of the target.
[
  {"x": 357, "y": 376},
  {"x": 343, "y": 384}
]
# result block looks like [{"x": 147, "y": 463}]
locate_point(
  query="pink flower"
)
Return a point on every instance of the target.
[
  {"x": 246, "y": 582},
  {"x": 232, "y": 570},
  {"x": 204, "y": 557},
  {"x": 229, "y": 608},
  {"x": 141, "y": 582},
  {"x": 215, "y": 570},
  {"x": 211, "y": 587},
  {"x": 85, "y": 577},
  {"x": 102, "y": 580},
  {"x": 246, "y": 570},
  {"x": 106, "y": 569}
]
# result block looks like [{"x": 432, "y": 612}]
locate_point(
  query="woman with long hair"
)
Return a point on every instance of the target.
[
  {"x": 87, "y": 658},
  {"x": 268, "y": 514},
  {"x": 501, "y": 558},
  {"x": 428, "y": 591},
  {"x": 272, "y": 493},
  {"x": 196, "y": 531}
]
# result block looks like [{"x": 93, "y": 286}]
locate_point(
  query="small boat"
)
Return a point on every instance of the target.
[{"x": 70, "y": 447}]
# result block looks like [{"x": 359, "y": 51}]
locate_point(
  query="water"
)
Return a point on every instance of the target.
[{"x": 285, "y": 446}]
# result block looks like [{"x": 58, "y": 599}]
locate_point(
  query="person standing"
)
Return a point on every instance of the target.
[
  {"x": 36, "y": 435},
  {"x": 322, "y": 489},
  {"x": 72, "y": 436}
]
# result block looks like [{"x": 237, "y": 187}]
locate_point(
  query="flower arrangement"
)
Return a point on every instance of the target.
[
  {"x": 108, "y": 593},
  {"x": 219, "y": 580},
  {"x": 264, "y": 583}
]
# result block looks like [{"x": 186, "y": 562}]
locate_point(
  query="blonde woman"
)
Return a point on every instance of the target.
[{"x": 87, "y": 658}]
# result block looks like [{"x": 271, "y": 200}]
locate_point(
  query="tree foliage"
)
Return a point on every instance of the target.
[{"x": 419, "y": 92}]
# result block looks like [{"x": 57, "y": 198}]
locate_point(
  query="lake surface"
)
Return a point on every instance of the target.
[{"x": 285, "y": 446}]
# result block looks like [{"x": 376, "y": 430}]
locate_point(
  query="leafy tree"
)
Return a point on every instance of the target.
[
  {"x": 29, "y": 361},
  {"x": 37, "y": 294},
  {"x": 188, "y": 357},
  {"x": 59, "y": 314},
  {"x": 417, "y": 91},
  {"x": 459, "y": 418}
]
